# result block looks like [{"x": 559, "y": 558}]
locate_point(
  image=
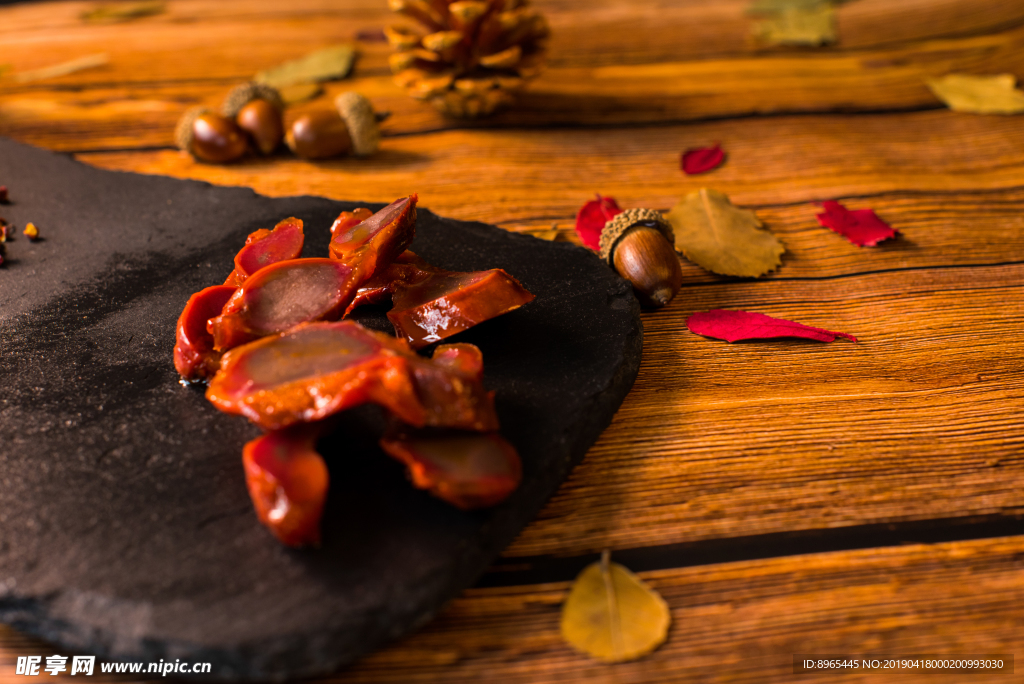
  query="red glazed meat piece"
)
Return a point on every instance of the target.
[
  {"x": 370, "y": 245},
  {"x": 447, "y": 303},
  {"x": 450, "y": 386},
  {"x": 265, "y": 247},
  {"x": 282, "y": 296},
  {"x": 468, "y": 471},
  {"x": 406, "y": 268},
  {"x": 287, "y": 481},
  {"x": 314, "y": 371},
  {"x": 319, "y": 369},
  {"x": 349, "y": 219},
  {"x": 194, "y": 356}
]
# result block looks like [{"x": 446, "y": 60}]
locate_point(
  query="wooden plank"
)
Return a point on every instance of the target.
[
  {"x": 159, "y": 67},
  {"x": 735, "y": 622},
  {"x": 604, "y": 32},
  {"x": 920, "y": 419},
  {"x": 548, "y": 174}
]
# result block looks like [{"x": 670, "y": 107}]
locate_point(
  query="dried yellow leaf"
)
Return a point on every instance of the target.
[
  {"x": 111, "y": 14},
  {"x": 63, "y": 69},
  {"x": 300, "y": 92},
  {"x": 979, "y": 94},
  {"x": 798, "y": 25},
  {"x": 723, "y": 238},
  {"x": 551, "y": 234},
  {"x": 612, "y": 615},
  {"x": 323, "y": 65}
]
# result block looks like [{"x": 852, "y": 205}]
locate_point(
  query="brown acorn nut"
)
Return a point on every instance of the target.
[
  {"x": 210, "y": 137},
  {"x": 351, "y": 128},
  {"x": 638, "y": 243},
  {"x": 319, "y": 134},
  {"x": 258, "y": 110}
]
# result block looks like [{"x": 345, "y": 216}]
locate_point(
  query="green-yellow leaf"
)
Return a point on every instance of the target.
[
  {"x": 111, "y": 14},
  {"x": 798, "y": 25},
  {"x": 612, "y": 615},
  {"x": 722, "y": 238},
  {"x": 300, "y": 92},
  {"x": 979, "y": 94},
  {"x": 323, "y": 65},
  {"x": 62, "y": 69}
]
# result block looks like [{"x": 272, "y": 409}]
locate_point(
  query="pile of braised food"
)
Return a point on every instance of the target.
[{"x": 272, "y": 347}]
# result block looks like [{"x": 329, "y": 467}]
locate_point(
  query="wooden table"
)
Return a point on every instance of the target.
[{"x": 784, "y": 497}]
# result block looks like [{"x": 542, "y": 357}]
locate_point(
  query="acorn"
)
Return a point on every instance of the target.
[
  {"x": 350, "y": 128},
  {"x": 210, "y": 137},
  {"x": 638, "y": 244},
  {"x": 259, "y": 111}
]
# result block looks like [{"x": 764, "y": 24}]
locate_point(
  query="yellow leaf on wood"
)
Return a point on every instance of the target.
[
  {"x": 112, "y": 14},
  {"x": 814, "y": 25},
  {"x": 62, "y": 69},
  {"x": 323, "y": 65},
  {"x": 612, "y": 615},
  {"x": 300, "y": 92},
  {"x": 722, "y": 238},
  {"x": 979, "y": 94}
]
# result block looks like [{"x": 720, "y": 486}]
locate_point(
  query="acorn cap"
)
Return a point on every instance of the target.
[
  {"x": 616, "y": 227},
  {"x": 246, "y": 93},
  {"x": 358, "y": 114},
  {"x": 183, "y": 131}
]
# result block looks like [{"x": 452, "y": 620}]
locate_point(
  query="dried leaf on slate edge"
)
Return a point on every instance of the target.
[
  {"x": 745, "y": 325},
  {"x": 722, "y": 238},
  {"x": 111, "y": 14},
  {"x": 979, "y": 94},
  {"x": 63, "y": 69},
  {"x": 862, "y": 227},
  {"x": 323, "y": 65},
  {"x": 795, "y": 23},
  {"x": 611, "y": 615},
  {"x": 702, "y": 159},
  {"x": 592, "y": 216}
]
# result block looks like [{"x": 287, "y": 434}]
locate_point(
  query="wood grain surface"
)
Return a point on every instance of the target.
[{"x": 783, "y": 496}]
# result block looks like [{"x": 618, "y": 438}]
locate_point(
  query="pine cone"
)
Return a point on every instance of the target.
[{"x": 475, "y": 55}]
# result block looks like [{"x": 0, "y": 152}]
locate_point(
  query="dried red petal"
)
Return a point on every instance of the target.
[
  {"x": 592, "y": 216},
  {"x": 372, "y": 244},
  {"x": 446, "y": 303},
  {"x": 701, "y": 159},
  {"x": 282, "y": 296},
  {"x": 194, "y": 356},
  {"x": 468, "y": 471},
  {"x": 862, "y": 227},
  {"x": 287, "y": 481},
  {"x": 264, "y": 247},
  {"x": 744, "y": 325}
]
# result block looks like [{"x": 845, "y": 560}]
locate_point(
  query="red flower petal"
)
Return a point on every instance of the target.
[
  {"x": 862, "y": 227},
  {"x": 744, "y": 325},
  {"x": 702, "y": 159},
  {"x": 591, "y": 218}
]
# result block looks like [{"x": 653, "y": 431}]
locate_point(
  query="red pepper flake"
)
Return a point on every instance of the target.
[
  {"x": 591, "y": 218},
  {"x": 701, "y": 159},
  {"x": 31, "y": 232},
  {"x": 4, "y": 199},
  {"x": 862, "y": 227}
]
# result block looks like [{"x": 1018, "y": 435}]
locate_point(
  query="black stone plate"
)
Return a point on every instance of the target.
[{"x": 125, "y": 526}]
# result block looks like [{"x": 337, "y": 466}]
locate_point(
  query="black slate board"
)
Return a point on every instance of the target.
[{"x": 125, "y": 527}]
